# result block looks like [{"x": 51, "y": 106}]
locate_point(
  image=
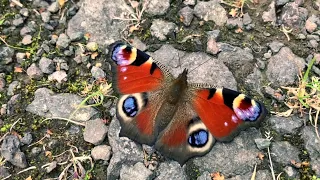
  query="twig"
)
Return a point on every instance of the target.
[
  {"x": 271, "y": 165},
  {"x": 29, "y": 168},
  {"x": 65, "y": 119},
  {"x": 253, "y": 177},
  {"x": 286, "y": 32},
  {"x": 17, "y": 3},
  {"x": 14, "y": 124},
  {"x": 38, "y": 141}
]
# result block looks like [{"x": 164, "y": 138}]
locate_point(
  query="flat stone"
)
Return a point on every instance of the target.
[
  {"x": 20, "y": 57},
  {"x": 59, "y": 76},
  {"x": 283, "y": 152},
  {"x": 139, "y": 44},
  {"x": 161, "y": 29},
  {"x": 270, "y": 15},
  {"x": 137, "y": 171},
  {"x": 171, "y": 170},
  {"x": 186, "y": 15},
  {"x": 101, "y": 152},
  {"x": 24, "y": 12},
  {"x": 46, "y": 65},
  {"x": 275, "y": 46},
  {"x": 45, "y": 16},
  {"x": 157, "y": 7},
  {"x": 34, "y": 72},
  {"x": 95, "y": 131},
  {"x": 48, "y": 104},
  {"x": 63, "y": 41},
  {"x": 18, "y": 22},
  {"x": 211, "y": 10}
]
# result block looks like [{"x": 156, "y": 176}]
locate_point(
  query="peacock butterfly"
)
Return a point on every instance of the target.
[{"x": 180, "y": 119}]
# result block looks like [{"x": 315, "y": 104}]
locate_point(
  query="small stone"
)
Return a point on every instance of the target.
[
  {"x": 262, "y": 143},
  {"x": 233, "y": 23},
  {"x": 266, "y": 34},
  {"x": 97, "y": 72},
  {"x": 301, "y": 36},
  {"x": 161, "y": 29},
  {"x": 24, "y": 12},
  {"x": 51, "y": 166},
  {"x": 27, "y": 40},
  {"x": 313, "y": 37},
  {"x": 54, "y": 7},
  {"x": 17, "y": 22},
  {"x": 291, "y": 172},
  {"x": 270, "y": 15},
  {"x": 313, "y": 43},
  {"x": 281, "y": 2},
  {"x": 12, "y": 87},
  {"x": 6, "y": 55},
  {"x": 26, "y": 139},
  {"x": 63, "y": 41},
  {"x": 25, "y": 30},
  {"x": 186, "y": 15},
  {"x": 275, "y": 46},
  {"x": 34, "y": 72},
  {"x": 101, "y": 152},
  {"x": 2, "y": 84},
  {"x": 138, "y": 171},
  {"x": 92, "y": 46},
  {"x": 54, "y": 39},
  {"x": 10, "y": 150},
  {"x": 72, "y": 10},
  {"x": 76, "y": 36},
  {"x": 59, "y": 76},
  {"x": 156, "y": 7},
  {"x": 95, "y": 131},
  {"x": 36, "y": 151},
  {"x": 267, "y": 55},
  {"x": 20, "y": 57},
  {"x": 64, "y": 66},
  {"x": 212, "y": 46},
  {"x": 74, "y": 130},
  {"x": 189, "y": 2},
  {"x": 246, "y": 19},
  {"x": 45, "y": 16},
  {"x": 138, "y": 44},
  {"x": 211, "y": 10},
  {"x": 46, "y": 65}
]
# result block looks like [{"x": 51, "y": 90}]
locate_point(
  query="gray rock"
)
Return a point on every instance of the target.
[
  {"x": 27, "y": 40},
  {"x": 20, "y": 57},
  {"x": 235, "y": 158},
  {"x": 2, "y": 84},
  {"x": 101, "y": 152},
  {"x": 18, "y": 22},
  {"x": 97, "y": 72},
  {"x": 63, "y": 41},
  {"x": 205, "y": 176},
  {"x": 73, "y": 130},
  {"x": 187, "y": 15},
  {"x": 215, "y": 34},
  {"x": 26, "y": 139},
  {"x": 4, "y": 173},
  {"x": 157, "y": 7},
  {"x": 275, "y": 46},
  {"x": 12, "y": 104},
  {"x": 46, "y": 65},
  {"x": 281, "y": 2},
  {"x": 205, "y": 69},
  {"x": 76, "y": 36},
  {"x": 95, "y": 131},
  {"x": 160, "y": 29},
  {"x": 24, "y": 12},
  {"x": 6, "y": 55},
  {"x": 212, "y": 45},
  {"x": 51, "y": 166},
  {"x": 36, "y": 151},
  {"x": 276, "y": 94},
  {"x": 47, "y": 104},
  {"x": 293, "y": 16},
  {"x": 270, "y": 15},
  {"x": 312, "y": 144},
  {"x": 189, "y": 2},
  {"x": 92, "y": 14},
  {"x": 233, "y": 23},
  {"x": 10, "y": 150},
  {"x": 246, "y": 19},
  {"x": 40, "y": 3},
  {"x": 137, "y": 171},
  {"x": 283, "y": 68},
  {"x": 34, "y": 72},
  {"x": 12, "y": 87},
  {"x": 285, "y": 125},
  {"x": 313, "y": 43},
  {"x": 254, "y": 81},
  {"x": 54, "y": 7},
  {"x": 313, "y": 37},
  {"x": 45, "y": 16},
  {"x": 139, "y": 44},
  {"x": 239, "y": 61},
  {"x": 262, "y": 143},
  {"x": 301, "y": 36},
  {"x": 291, "y": 172},
  {"x": 211, "y": 10},
  {"x": 170, "y": 170},
  {"x": 312, "y": 23},
  {"x": 261, "y": 174},
  {"x": 267, "y": 55},
  {"x": 283, "y": 152},
  {"x": 59, "y": 76},
  {"x": 125, "y": 151}
]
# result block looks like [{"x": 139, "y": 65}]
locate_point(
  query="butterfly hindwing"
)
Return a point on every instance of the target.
[{"x": 225, "y": 112}]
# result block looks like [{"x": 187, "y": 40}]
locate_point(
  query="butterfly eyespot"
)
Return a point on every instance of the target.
[
  {"x": 198, "y": 138},
  {"x": 130, "y": 106}
]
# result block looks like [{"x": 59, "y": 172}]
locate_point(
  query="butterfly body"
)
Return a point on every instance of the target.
[{"x": 181, "y": 119}]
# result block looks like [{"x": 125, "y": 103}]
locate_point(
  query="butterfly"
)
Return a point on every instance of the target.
[{"x": 180, "y": 119}]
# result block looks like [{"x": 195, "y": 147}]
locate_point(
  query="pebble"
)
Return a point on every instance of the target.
[
  {"x": 186, "y": 15},
  {"x": 24, "y": 12},
  {"x": 18, "y": 22},
  {"x": 36, "y": 151},
  {"x": 101, "y": 152},
  {"x": 97, "y": 72},
  {"x": 63, "y": 41},
  {"x": 20, "y": 57},
  {"x": 246, "y": 19},
  {"x": 267, "y": 55},
  {"x": 45, "y": 16},
  {"x": 59, "y": 76},
  {"x": 12, "y": 87},
  {"x": 156, "y": 7},
  {"x": 26, "y": 139},
  {"x": 46, "y": 65},
  {"x": 313, "y": 43},
  {"x": 54, "y": 7},
  {"x": 51, "y": 166},
  {"x": 95, "y": 131},
  {"x": 2, "y": 84},
  {"x": 27, "y": 40},
  {"x": 77, "y": 36},
  {"x": 275, "y": 46},
  {"x": 262, "y": 143},
  {"x": 161, "y": 29},
  {"x": 34, "y": 72}
]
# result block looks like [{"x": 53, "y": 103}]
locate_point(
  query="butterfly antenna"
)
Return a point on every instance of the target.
[{"x": 198, "y": 66}]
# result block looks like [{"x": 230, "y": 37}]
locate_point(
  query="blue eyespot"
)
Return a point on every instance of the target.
[
  {"x": 198, "y": 138},
  {"x": 130, "y": 107}
]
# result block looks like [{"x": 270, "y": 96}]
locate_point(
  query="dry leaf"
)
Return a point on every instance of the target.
[
  {"x": 233, "y": 12},
  {"x": 29, "y": 178},
  {"x": 305, "y": 163},
  {"x": 217, "y": 176},
  {"x": 61, "y": 3},
  {"x": 260, "y": 156},
  {"x": 49, "y": 132},
  {"x": 87, "y": 36},
  {"x": 133, "y": 28},
  {"x": 18, "y": 69},
  {"x": 48, "y": 154},
  {"x": 239, "y": 30},
  {"x": 94, "y": 55}
]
